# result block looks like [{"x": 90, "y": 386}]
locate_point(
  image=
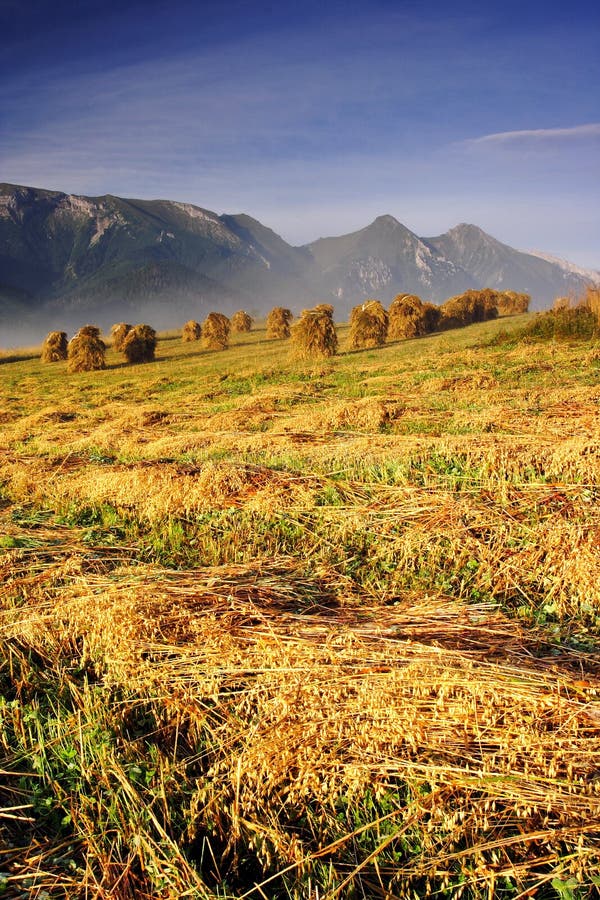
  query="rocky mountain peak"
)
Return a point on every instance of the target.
[{"x": 387, "y": 221}]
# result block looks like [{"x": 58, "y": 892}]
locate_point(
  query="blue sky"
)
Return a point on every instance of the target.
[{"x": 316, "y": 117}]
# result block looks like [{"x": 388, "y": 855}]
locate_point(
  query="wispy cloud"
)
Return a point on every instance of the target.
[
  {"x": 315, "y": 127},
  {"x": 592, "y": 129}
]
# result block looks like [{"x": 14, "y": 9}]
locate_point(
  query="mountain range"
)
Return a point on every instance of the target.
[{"x": 68, "y": 257}]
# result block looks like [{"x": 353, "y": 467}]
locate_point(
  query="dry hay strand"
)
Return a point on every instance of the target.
[
  {"x": 314, "y": 335},
  {"x": 368, "y": 325},
  {"x": 512, "y": 303},
  {"x": 156, "y": 491},
  {"x": 140, "y": 344},
  {"x": 477, "y": 381},
  {"x": 254, "y": 414},
  {"x": 278, "y": 322},
  {"x": 55, "y": 347},
  {"x": 86, "y": 351},
  {"x": 118, "y": 333},
  {"x": 407, "y": 317},
  {"x": 215, "y": 332},
  {"x": 151, "y": 417},
  {"x": 474, "y": 740},
  {"x": 368, "y": 414},
  {"x": 191, "y": 331},
  {"x": 241, "y": 322}
]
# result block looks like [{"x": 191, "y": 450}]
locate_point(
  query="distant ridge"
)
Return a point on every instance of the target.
[
  {"x": 592, "y": 275},
  {"x": 65, "y": 256}
]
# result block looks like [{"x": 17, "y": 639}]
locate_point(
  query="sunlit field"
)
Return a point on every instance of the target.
[{"x": 285, "y": 629}]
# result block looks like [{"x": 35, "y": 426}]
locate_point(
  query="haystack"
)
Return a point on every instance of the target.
[
  {"x": 314, "y": 334},
  {"x": 432, "y": 317},
  {"x": 191, "y": 331},
  {"x": 118, "y": 333},
  {"x": 469, "y": 307},
  {"x": 486, "y": 304},
  {"x": 456, "y": 312},
  {"x": 511, "y": 303},
  {"x": 326, "y": 308},
  {"x": 241, "y": 322},
  {"x": 55, "y": 347},
  {"x": 86, "y": 351},
  {"x": 407, "y": 317},
  {"x": 215, "y": 332},
  {"x": 278, "y": 322},
  {"x": 368, "y": 325},
  {"x": 140, "y": 344},
  {"x": 89, "y": 331}
]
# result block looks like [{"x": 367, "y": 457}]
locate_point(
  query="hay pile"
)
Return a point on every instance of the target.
[
  {"x": 89, "y": 331},
  {"x": 407, "y": 317},
  {"x": 278, "y": 322},
  {"x": 314, "y": 334},
  {"x": 86, "y": 351},
  {"x": 368, "y": 325},
  {"x": 456, "y": 312},
  {"x": 432, "y": 317},
  {"x": 118, "y": 333},
  {"x": 511, "y": 303},
  {"x": 55, "y": 347},
  {"x": 469, "y": 307},
  {"x": 215, "y": 332},
  {"x": 325, "y": 308},
  {"x": 487, "y": 304},
  {"x": 191, "y": 331},
  {"x": 140, "y": 344},
  {"x": 241, "y": 322}
]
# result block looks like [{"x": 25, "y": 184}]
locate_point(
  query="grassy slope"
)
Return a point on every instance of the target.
[{"x": 331, "y": 625}]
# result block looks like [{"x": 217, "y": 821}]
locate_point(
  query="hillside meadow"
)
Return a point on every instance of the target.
[{"x": 313, "y": 630}]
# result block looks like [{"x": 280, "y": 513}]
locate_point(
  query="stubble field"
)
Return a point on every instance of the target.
[{"x": 277, "y": 629}]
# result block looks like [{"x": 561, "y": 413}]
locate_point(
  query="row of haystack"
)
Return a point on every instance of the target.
[
  {"x": 314, "y": 334},
  {"x": 86, "y": 351},
  {"x": 468, "y": 308},
  {"x": 371, "y": 325},
  {"x": 214, "y": 332},
  {"x": 409, "y": 317}
]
